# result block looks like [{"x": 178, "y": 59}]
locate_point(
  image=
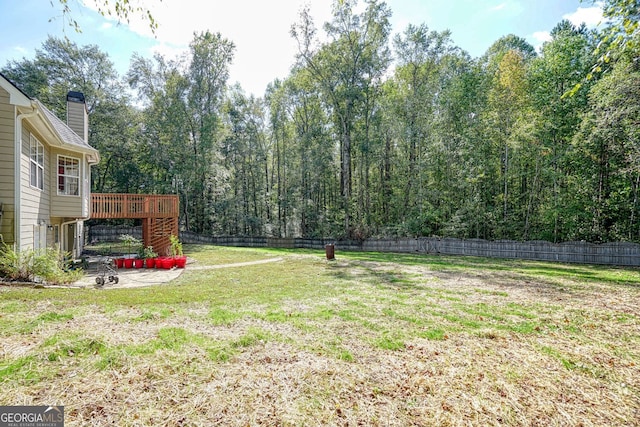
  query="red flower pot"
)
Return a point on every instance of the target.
[
  {"x": 165, "y": 262},
  {"x": 119, "y": 262},
  {"x": 138, "y": 262},
  {"x": 128, "y": 263},
  {"x": 150, "y": 262},
  {"x": 180, "y": 261}
]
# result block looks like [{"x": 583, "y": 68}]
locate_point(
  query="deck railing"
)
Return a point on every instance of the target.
[{"x": 110, "y": 206}]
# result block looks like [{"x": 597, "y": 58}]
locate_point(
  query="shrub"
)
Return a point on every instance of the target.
[
  {"x": 16, "y": 265},
  {"x": 146, "y": 252},
  {"x": 130, "y": 242},
  {"x": 176, "y": 246},
  {"x": 49, "y": 265}
]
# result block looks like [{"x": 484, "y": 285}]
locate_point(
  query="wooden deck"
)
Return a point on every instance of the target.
[
  {"x": 110, "y": 206},
  {"x": 159, "y": 214}
]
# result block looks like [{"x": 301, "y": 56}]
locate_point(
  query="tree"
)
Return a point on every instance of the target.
[
  {"x": 208, "y": 72},
  {"x": 356, "y": 55},
  {"x": 562, "y": 64},
  {"x": 183, "y": 101},
  {"x": 162, "y": 89},
  {"x": 311, "y": 184},
  {"x": 246, "y": 154},
  {"x": 622, "y": 36},
  {"x": 422, "y": 57},
  {"x": 509, "y": 113},
  {"x": 504, "y": 44},
  {"x": 122, "y": 10},
  {"x": 60, "y": 66},
  {"x": 608, "y": 149}
]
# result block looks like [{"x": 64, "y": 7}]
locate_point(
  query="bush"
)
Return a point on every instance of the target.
[
  {"x": 49, "y": 265},
  {"x": 176, "y": 246},
  {"x": 130, "y": 242},
  {"x": 146, "y": 252},
  {"x": 15, "y": 265}
]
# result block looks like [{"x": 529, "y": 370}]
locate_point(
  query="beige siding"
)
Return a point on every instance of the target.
[
  {"x": 39, "y": 208},
  {"x": 7, "y": 223},
  {"x": 77, "y": 119},
  {"x": 64, "y": 206},
  {"x": 35, "y": 203},
  {"x": 7, "y": 142}
]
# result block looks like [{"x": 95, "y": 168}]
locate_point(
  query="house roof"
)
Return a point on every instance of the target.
[
  {"x": 65, "y": 133},
  {"x": 61, "y": 131},
  {"x": 16, "y": 95}
]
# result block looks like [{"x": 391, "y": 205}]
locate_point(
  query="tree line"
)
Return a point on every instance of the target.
[{"x": 373, "y": 134}]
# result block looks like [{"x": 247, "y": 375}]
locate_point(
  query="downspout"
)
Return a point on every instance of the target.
[
  {"x": 82, "y": 195},
  {"x": 17, "y": 178}
]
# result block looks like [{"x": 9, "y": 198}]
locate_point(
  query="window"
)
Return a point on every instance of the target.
[
  {"x": 36, "y": 155},
  {"x": 68, "y": 176}
]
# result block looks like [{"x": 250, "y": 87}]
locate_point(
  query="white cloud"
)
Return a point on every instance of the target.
[
  {"x": 591, "y": 16},
  {"x": 542, "y": 36},
  {"x": 539, "y": 38},
  {"x": 23, "y": 50},
  {"x": 510, "y": 7},
  {"x": 259, "y": 29},
  {"x": 169, "y": 51},
  {"x": 106, "y": 26}
]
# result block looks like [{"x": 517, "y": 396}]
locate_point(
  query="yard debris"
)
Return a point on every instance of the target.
[{"x": 379, "y": 343}]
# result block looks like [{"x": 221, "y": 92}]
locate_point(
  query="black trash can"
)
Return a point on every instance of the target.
[{"x": 330, "y": 251}]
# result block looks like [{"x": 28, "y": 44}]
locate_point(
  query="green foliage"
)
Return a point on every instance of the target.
[
  {"x": 495, "y": 147},
  {"x": 606, "y": 147},
  {"x": 48, "y": 265},
  {"x": 131, "y": 243},
  {"x": 120, "y": 9},
  {"x": 176, "y": 246},
  {"x": 16, "y": 265},
  {"x": 390, "y": 342},
  {"x": 223, "y": 317},
  {"x": 622, "y": 37},
  {"x": 146, "y": 252}
]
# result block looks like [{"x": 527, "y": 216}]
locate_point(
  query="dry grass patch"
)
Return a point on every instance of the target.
[{"x": 368, "y": 340}]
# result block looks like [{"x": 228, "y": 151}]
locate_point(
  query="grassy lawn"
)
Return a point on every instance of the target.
[{"x": 368, "y": 339}]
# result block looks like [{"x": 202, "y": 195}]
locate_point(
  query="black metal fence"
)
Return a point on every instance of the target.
[{"x": 616, "y": 253}]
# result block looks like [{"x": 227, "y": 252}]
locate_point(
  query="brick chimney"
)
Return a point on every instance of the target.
[{"x": 77, "y": 117}]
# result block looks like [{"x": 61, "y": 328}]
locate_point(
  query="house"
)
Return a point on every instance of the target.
[{"x": 45, "y": 172}]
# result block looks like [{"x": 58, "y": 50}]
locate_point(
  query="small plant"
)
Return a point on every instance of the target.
[
  {"x": 176, "y": 246},
  {"x": 146, "y": 252},
  {"x": 129, "y": 241},
  {"x": 15, "y": 265}
]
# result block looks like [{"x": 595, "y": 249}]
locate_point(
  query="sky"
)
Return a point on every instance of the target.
[{"x": 260, "y": 29}]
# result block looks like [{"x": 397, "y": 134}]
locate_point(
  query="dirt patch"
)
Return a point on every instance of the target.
[{"x": 382, "y": 344}]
